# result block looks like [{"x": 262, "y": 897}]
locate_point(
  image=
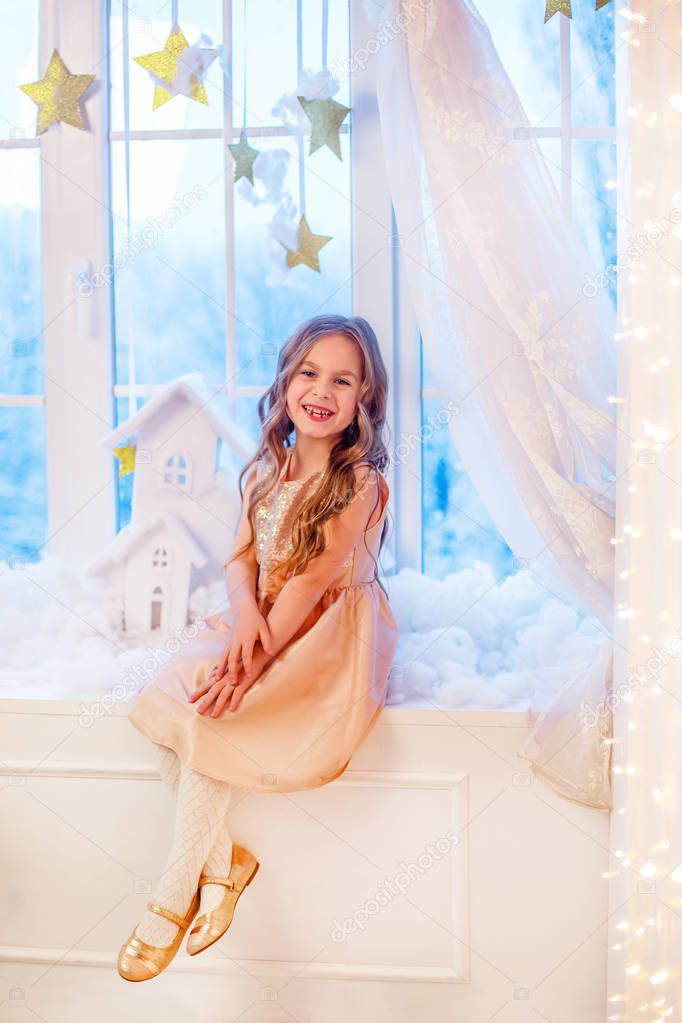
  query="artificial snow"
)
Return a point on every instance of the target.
[{"x": 466, "y": 641}]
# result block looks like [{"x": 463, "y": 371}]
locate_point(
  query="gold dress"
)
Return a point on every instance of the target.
[{"x": 299, "y": 724}]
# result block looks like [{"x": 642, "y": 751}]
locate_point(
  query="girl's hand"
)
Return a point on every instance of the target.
[
  {"x": 249, "y": 627},
  {"x": 219, "y": 690}
]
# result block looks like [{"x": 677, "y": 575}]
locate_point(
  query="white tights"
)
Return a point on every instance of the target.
[{"x": 200, "y": 840}]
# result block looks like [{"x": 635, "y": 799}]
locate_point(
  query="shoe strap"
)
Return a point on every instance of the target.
[
  {"x": 227, "y": 881},
  {"x": 168, "y": 913}
]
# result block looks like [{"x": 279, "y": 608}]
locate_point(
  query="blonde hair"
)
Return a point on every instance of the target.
[{"x": 361, "y": 441}]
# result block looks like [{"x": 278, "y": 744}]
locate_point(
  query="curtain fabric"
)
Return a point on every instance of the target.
[{"x": 522, "y": 351}]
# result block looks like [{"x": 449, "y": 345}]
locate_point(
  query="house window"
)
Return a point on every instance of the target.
[
  {"x": 160, "y": 558},
  {"x": 176, "y": 471}
]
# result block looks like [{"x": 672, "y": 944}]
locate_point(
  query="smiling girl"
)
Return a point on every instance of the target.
[{"x": 277, "y": 693}]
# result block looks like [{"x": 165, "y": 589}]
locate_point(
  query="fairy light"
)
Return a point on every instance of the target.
[{"x": 676, "y": 875}]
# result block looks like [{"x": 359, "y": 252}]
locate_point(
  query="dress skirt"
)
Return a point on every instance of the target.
[{"x": 299, "y": 724}]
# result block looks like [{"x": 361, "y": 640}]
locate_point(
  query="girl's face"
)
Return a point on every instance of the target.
[{"x": 322, "y": 394}]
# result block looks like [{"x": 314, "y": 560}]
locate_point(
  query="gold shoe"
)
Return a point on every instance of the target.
[
  {"x": 212, "y": 925},
  {"x": 139, "y": 961}
]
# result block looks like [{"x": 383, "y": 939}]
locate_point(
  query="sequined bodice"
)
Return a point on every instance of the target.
[{"x": 275, "y": 517}]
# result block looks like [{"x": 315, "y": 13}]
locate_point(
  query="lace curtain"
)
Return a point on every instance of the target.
[{"x": 496, "y": 273}]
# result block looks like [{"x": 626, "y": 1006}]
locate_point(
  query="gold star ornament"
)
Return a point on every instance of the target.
[
  {"x": 326, "y": 117},
  {"x": 58, "y": 95},
  {"x": 244, "y": 157},
  {"x": 126, "y": 456},
  {"x": 600, "y": 4},
  {"x": 309, "y": 245},
  {"x": 175, "y": 72},
  {"x": 557, "y": 7}
]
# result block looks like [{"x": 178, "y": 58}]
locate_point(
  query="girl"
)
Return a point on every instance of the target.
[{"x": 281, "y": 703}]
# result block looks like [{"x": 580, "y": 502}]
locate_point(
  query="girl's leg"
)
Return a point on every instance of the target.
[
  {"x": 218, "y": 863},
  {"x": 168, "y": 764},
  {"x": 219, "y": 859},
  {"x": 200, "y": 810}
]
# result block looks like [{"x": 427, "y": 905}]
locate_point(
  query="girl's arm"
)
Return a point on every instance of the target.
[{"x": 300, "y": 593}]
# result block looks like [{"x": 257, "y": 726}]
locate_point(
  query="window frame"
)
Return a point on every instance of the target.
[{"x": 76, "y": 233}]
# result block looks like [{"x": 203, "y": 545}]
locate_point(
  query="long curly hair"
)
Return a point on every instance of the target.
[{"x": 361, "y": 441}]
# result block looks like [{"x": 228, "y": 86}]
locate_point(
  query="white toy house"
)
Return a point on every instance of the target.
[{"x": 185, "y": 507}]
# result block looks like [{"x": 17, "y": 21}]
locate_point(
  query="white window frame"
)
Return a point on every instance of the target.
[{"x": 78, "y": 333}]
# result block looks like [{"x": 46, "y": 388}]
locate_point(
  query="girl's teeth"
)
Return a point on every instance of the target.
[{"x": 318, "y": 415}]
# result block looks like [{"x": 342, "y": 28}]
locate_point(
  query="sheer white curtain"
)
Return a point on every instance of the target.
[{"x": 496, "y": 273}]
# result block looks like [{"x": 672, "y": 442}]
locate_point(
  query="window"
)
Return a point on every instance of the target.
[
  {"x": 160, "y": 558},
  {"x": 205, "y": 289},
  {"x": 564, "y": 73},
  {"x": 23, "y": 484},
  {"x": 176, "y": 472},
  {"x": 186, "y": 261}
]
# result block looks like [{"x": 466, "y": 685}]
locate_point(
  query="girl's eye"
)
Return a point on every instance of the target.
[{"x": 304, "y": 371}]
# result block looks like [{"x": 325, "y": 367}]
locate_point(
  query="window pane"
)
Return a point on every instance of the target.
[
  {"x": 271, "y": 300},
  {"x": 19, "y": 65},
  {"x": 23, "y": 497},
  {"x": 21, "y": 342},
  {"x": 593, "y": 66},
  {"x": 594, "y": 203},
  {"x": 148, "y": 28},
  {"x": 269, "y": 48},
  {"x": 457, "y": 528},
  {"x": 170, "y": 282},
  {"x": 529, "y": 51}
]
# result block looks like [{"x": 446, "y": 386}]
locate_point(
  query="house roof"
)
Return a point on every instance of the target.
[
  {"x": 130, "y": 536},
  {"x": 192, "y": 387}
]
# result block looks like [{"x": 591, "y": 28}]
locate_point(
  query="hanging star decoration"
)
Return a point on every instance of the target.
[
  {"x": 244, "y": 157},
  {"x": 178, "y": 69},
  {"x": 309, "y": 245},
  {"x": 557, "y": 7},
  {"x": 126, "y": 456},
  {"x": 601, "y": 3},
  {"x": 326, "y": 117},
  {"x": 58, "y": 95}
]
